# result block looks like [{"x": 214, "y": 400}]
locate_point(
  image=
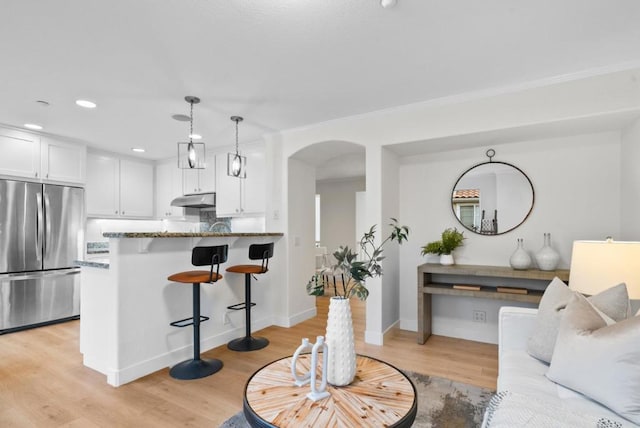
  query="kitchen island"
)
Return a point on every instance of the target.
[{"x": 127, "y": 302}]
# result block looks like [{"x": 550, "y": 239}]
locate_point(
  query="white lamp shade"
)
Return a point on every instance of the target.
[{"x": 598, "y": 265}]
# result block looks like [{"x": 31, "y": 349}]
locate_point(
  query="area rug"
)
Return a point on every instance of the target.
[{"x": 442, "y": 403}]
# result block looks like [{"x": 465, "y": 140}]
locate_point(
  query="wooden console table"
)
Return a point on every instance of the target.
[
  {"x": 380, "y": 395},
  {"x": 490, "y": 276}
]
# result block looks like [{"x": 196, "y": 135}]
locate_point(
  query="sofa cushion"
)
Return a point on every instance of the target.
[
  {"x": 599, "y": 360},
  {"x": 508, "y": 409},
  {"x": 614, "y": 302}
]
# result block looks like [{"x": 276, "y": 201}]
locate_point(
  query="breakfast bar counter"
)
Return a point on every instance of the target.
[{"x": 127, "y": 303}]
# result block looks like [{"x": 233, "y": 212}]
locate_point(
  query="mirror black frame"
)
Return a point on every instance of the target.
[{"x": 533, "y": 196}]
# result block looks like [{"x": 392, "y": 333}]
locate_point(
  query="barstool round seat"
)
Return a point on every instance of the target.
[
  {"x": 193, "y": 276},
  {"x": 252, "y": 269}
]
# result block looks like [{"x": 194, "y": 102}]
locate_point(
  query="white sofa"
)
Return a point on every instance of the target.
[{"x": 521, "y": 374}]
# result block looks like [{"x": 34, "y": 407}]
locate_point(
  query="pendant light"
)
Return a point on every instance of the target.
[
  {"x": 236, "y": 164},
  {"x": 191, "y": 155}
]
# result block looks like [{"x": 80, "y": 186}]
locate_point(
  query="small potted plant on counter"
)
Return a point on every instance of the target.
[{"x": 451, "y": 239}]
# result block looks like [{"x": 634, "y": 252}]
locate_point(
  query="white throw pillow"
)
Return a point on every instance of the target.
[
  {"x": 601, "y": 361},
  {"x": 613, "y": 302}
]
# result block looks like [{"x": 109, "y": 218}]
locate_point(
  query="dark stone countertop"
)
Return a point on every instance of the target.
[{"x": 98, "y": 262}]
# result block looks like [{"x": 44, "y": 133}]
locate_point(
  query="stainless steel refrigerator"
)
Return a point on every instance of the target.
[{"x": 41, "y": 234}]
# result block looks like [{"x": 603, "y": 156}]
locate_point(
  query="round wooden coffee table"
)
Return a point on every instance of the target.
[{"x": 381, "y": 395}]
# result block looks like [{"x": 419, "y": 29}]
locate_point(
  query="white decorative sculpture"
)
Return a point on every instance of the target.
[{"x": 317, "y": 392}]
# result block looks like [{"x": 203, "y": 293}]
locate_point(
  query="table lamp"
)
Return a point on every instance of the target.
[{"x": 598, "y": 265}]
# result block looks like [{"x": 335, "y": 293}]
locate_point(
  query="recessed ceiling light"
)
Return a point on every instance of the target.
[
  {"x": 137, "y": 149},
  {"x": 195, "y": 136},
  {"x": 86, "y": 104},
  {"x": 32, "y": 126}
]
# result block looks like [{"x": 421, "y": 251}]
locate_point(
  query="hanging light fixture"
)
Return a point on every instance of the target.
[
  {"x": 236, "y": 164},
  {"x": 191, "y": 155}
]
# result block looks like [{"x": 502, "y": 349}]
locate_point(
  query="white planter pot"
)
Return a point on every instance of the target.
[
  {"x": 446, "y": 259},
  {"x": 341, "y": 364}
]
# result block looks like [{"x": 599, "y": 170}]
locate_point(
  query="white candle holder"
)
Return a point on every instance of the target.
[{"x": 318, "y": 392}]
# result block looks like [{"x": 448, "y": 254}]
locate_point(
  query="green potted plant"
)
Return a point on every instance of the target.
[
  {"x": 451, "y": 239},
  {"x": 350, "y": 272}
]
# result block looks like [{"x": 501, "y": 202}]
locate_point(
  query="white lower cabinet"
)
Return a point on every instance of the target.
[
  {"x": 118, "y": 187},
  {"x": 241, "y": 196}
]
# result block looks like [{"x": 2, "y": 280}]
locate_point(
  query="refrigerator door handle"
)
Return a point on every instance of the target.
[
  {"x": 47, "y": 227},
  {"x": 37, "y": 275},
  {"x": 39, "y": 227}
]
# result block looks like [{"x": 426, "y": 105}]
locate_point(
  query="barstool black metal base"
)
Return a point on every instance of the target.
[
  {"x": 195, "y": 369},
  {"x": 246, "y": 344}
]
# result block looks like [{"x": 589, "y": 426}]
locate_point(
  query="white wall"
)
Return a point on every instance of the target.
[
  {"x": 301, "y": 266},
  {"x": 631, "y": 183},
  {"x": 577, "y": 196},
  {"x": 580, "y": 105},
  {"x": 338, "y": 212}
]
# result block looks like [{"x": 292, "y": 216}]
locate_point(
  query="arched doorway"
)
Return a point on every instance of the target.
[{"x": 331, "y": 174}]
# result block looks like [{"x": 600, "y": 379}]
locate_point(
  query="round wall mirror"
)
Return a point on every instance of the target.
[{"x": 492, "y": 198}]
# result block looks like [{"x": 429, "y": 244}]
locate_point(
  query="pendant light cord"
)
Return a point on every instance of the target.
[
  {"x": 191, "y": 123},
  {"x": 237, "y": 137}
]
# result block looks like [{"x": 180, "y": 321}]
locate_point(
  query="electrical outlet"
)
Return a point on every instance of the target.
[
  {"x": 479, "y": 316},
  {"x": 225, "y": 319}
]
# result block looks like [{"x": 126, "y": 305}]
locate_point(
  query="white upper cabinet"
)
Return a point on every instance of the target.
[
  {"x": 20, "y": 154},
  {"x": 136, "y": 189},
  {"x": 62, "y": 161},
  {"x": 41, "y": 158},
  {"x": 200, "y": 180},
  {"x": 168, "y": 187},
  {"x": 103, "y": 186},
  {"x": 241, "y": 196},
  {"x": 118, "y": 187}
]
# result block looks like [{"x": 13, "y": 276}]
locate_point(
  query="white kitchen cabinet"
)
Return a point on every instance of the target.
[
  {"x": 118, "y": 187},
  {"x": 168, "y": 187},
  {"x": 62, "y": 161},
  {"x": 102, "y": 191},
  {"x": 241, "y": 196},
  {"x": 136, "y": 189},
  {"x": 41, "y": 158},
  {"x": 20, "y": 154},
  {"x": 200, "y": 180}
]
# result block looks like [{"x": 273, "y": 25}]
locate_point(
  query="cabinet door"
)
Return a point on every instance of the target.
[
  {"x": 207, "y": 176},
  {"x": 254, "y": 187},
  {"x": 190, "y": 181},
  {"x": 103, "y": 186},
  {"x": 227, "y": 190},
  {"x": 168, "y": 187},
  {"x": 62, "y": 161},
  {"x": 20, "y": 154},
  {"x": 136, "y": 189}
]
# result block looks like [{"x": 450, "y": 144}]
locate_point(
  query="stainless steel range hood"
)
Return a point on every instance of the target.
[{"x": 197, "y": 200}]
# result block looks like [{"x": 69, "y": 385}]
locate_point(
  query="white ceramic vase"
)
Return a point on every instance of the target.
[
  {"x": 341, "y": 364},
  {"x": 520, "y": 259},
  {"x": 446, "y": 259},
  {"x": 547, "y": 258}
]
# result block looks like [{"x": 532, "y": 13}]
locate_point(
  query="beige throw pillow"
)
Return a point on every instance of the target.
[
  {"x": 613, "y": 302},
  {"x": 600, "y": 361}
]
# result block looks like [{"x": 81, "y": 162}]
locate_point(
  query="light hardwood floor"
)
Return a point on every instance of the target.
[{"x": 44, "y": 384}]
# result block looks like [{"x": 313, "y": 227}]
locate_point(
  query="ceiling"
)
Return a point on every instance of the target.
[{"x": 280, "y": 63}]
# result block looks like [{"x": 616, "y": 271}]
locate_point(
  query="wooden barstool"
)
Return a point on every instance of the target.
[
  {"x": 256, "y": 252},
  {"x": 197, "y": 367}
]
